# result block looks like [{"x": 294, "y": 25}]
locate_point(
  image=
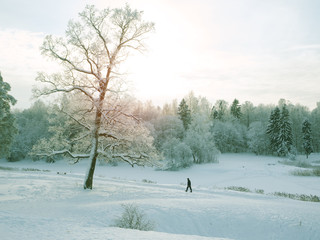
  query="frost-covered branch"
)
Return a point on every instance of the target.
[
  {"x": 50, "y": 48},
  {"x": 76, "y": 120},
  {"x": 65, "y": 152},
  {"x": 140, "y": 159},
  {"x": 56, "y": 86}
]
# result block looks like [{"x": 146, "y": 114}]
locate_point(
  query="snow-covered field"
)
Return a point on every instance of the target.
[{"x": 47, "y": 205}]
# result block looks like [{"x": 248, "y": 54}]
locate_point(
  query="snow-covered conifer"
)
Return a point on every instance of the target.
[
  {"x": 315, "y": 126},
  {"x": 273, "y": 129},
  {"x": 280, "y": 131},
  {"x": 285, "y": 133},
  {"x": 7, "y": 128},
  {"x": 235, "y": 109},
  {"x": 307, "y": 138},
  {"x": 219, "y": 111},
  {"x": 184, "y": 114},
  {"x": 33, "y": 125}
]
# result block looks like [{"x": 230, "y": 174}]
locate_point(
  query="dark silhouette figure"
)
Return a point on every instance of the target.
[{"x": 188, "y": 185}]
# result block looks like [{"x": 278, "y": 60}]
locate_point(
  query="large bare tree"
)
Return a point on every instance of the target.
[{"x": 90, "y": 53}]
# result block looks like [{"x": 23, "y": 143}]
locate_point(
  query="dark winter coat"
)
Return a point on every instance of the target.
[{"x": 189, "y": 182}]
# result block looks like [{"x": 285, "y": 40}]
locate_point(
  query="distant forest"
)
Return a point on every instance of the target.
[{"x": 183, "y": 132}]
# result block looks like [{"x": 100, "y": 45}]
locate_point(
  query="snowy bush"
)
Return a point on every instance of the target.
[
  {"x": 258, "y": 142},
  {"x": 230, "y": 137},
  {"x": 184, "y": 155},
  {"x": 177, "y": 154},
  {"x": 313, "y": 172},
  {"x": 200, "y": 140},
  {"x": 292, "y": 154},
  {"x": 166, "y": 128},
  {"x": 133, "y": 218}
]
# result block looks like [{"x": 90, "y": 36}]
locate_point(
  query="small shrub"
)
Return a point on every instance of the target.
[
  {"x": 314, "y": 198},
  {"x": 8, "y": 168},
  {"x": 301, "y": 164},
  {"x": 133, "y": 218},
  {"x": 303, "y": 173},
  {"x": 283, "y": 194},
  {"x": 292, "y": 155},
  {"x": 31, "y": 169},
  {"x": 316, "y": 172},
  {"x": 260, "y": 191},
  {"x": 301, "y": 197},
  {"x": 239, "y": 189},
  {"x": 306, "y": 173},
  {"x": 147, "y": 181}
]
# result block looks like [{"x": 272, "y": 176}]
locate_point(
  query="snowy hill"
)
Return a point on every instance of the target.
[{"x": 46, "y": 201}]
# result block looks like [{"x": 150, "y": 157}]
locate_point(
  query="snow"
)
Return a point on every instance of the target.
[{"x": 51, "y": 203}]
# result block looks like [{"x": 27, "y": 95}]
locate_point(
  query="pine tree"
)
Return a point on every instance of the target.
[
  {"x": 214, "y": 113},
  {"x": 273, "y": 129},
  {"x": 235, "y": 109},
  {"x": 307, "y": 139},
  {"x": 285, "y": 133},
  {"x": 280, "y": 131},
  {"x": 7, "y": 128},
  {"x": 184, "y": 114}
]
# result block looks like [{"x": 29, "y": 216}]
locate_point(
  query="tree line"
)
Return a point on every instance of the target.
[
  {"x": 183, "y": 133},
  {"x": 284, "y": 129}
]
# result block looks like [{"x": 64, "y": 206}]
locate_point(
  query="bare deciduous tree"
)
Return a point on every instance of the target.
[{"x": 90, "y": 53}]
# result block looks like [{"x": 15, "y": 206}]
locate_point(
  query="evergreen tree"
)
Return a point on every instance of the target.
[
  {"x": 273, "y": 129},
  {"x": 285, "y": 133},
  {"x": 315, "y": 126},
  {"x": 184, "y": 114},
  {"x": 235, "y": 109},
  {"x": 7, "y": 128},
  {"x": 32, "y": 124},
  {"x": 219, "y": 110},
  {"x": 307, "y": 139},
  {"x": 214, "y": 113}
]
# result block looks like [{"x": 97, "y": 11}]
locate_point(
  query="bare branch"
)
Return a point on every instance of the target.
[{"x": 134, "y": 159}]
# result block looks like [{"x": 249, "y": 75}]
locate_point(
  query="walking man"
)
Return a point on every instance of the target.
[{"x": 188, "y": 185}]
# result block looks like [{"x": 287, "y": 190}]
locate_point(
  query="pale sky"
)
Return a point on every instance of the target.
[{"x": 252, "y": 50}]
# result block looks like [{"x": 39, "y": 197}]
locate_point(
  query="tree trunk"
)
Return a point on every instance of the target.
[
  {"x": 93, "y": 159},
  {"x": 95, "y": 134}
]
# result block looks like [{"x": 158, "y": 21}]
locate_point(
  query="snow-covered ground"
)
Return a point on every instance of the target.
[{"x": 47, "y": 205}]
